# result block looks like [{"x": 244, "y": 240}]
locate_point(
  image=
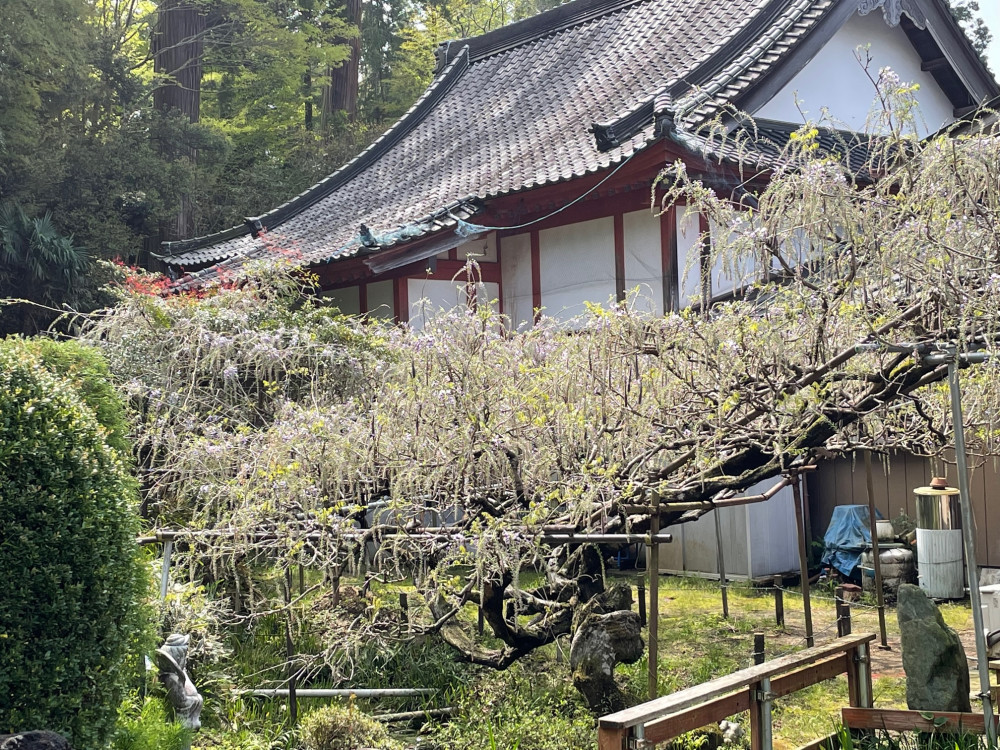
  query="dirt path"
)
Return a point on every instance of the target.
[{"x": 885, "y": 662}]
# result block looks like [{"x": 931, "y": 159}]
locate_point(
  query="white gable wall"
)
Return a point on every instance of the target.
[
  {"x": 483, "y": 250},
  {"x": 834, "y": 79}
]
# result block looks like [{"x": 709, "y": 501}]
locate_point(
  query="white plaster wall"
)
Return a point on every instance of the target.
[
  {"x": 428, "y": 297},
  {"x": 347, "y": 299},
  {"x": 834, "y": 79},
  {"x": 796, "y": 250},
  {"x": 488, "y": 293},
  {"x": 380, "y": 300},
  {"x": 727, "y": 276},
  {"x": 483, "y": 250},
  {"x": 515, "y": 270},
  {"x": 644, "y": 260},
  {"x": 577, "y": 264},
  {"x": 688, "y": 257}
]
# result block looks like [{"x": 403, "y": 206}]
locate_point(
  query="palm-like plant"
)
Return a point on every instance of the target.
[{"x": 39, "y": 265}]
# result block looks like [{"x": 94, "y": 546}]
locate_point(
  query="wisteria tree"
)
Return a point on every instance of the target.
[{"x": 280, "y": 433}]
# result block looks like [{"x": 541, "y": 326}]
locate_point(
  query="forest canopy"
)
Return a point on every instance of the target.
[{"x": 119, "y": 115}]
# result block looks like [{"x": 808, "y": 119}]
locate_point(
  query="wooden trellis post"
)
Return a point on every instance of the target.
[{"x": 779, "y": 603}]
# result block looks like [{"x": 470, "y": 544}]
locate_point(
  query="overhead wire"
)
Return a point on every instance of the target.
[{"x": 466, "y": 228}]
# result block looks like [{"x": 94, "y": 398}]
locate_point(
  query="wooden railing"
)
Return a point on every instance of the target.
[
  {"x": 900, "y": 720},
  {"x": 753, "y": 689}
]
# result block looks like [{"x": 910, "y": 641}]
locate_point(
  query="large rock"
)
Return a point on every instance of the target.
[
  {"x": 937, "y": 672},
  {"x": 34, "y": 741}
]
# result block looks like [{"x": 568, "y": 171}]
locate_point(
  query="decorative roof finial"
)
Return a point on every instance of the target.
[{"x": 891, "y": 9}]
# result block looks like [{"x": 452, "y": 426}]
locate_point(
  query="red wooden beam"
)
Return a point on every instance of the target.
[
  {"x": 446, "y": 270},
  {"x": 401, "y": 299},
  {"x": 536, "y": 274},
  {"x": 823, "y": 670},
  {"x": 668, "y": 259},
  {"x": 499, "y": 274},
  {"x": 707, "y": 713},
  {"x": 611, "y": 739}
]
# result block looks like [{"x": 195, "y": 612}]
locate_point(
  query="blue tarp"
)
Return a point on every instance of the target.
[{"x": 847, "y": 537}]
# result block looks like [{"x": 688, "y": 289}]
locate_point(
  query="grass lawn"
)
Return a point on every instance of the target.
[
  {"x": 697, "y": 644},
  {"x": 533, "y": 706}
]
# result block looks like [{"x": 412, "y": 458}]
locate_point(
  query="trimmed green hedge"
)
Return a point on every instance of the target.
[
  {"x": 71, "y": 603},
  {"x": 85, "y": 367}
]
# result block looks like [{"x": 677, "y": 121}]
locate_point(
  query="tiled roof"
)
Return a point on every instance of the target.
[
  {"x": 761, "y": 145},
  {"x": 515, "y": 109}
]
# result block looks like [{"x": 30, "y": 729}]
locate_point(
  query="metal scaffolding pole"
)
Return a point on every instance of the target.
[{"x": 969, "y": 533}]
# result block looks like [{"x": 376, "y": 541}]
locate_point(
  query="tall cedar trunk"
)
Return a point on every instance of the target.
[
  {"x": 342, "y": 95},
  {"x": 178, "y": 45},
  {"x": 307, "y": 82}
]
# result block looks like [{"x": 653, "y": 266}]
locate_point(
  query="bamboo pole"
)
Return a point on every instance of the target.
[
  {"x": 337, "y": 692},
  {"x": 430, "y": 713},
  {"x": 779, "y": 603},
  {"x": 168, "y": 547},
  {"x": 293, "y": 703},
  {"x": 969, "y": 538},
  {"x": 547, "y": 537},
  {"x": 641, "y": 585}
]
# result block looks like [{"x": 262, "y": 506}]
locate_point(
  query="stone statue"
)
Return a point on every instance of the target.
[{"x": 171, "y": 658}]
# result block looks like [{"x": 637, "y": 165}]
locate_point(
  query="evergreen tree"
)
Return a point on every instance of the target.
[
  {"x": 38, "y": 265},
  {"x": 966, "y": 12}
]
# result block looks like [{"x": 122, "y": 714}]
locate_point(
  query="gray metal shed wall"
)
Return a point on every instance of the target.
[{"x": 759, "y": 539}]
